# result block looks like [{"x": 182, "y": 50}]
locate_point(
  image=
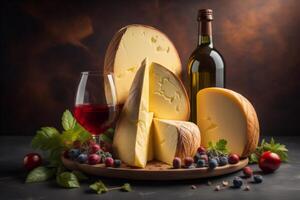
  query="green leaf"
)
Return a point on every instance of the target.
[
  {"x": 126, "y": 187},
  {"x": 67, "y": 180},
  {"x": 99, "y": 187},
  {"x": 68, "y": 121},
  {"x": 221, "y": 146},
  {"x": 46, "y": 138},
  {"x": 80, "y": 176},
  {"x": 40, "y": 174},
  {"x": 105, "y": 138},
  {"x": 253, "y": 158}
]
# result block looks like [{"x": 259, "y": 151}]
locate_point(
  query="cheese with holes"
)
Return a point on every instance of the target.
[
  {"x": 225, "y": 114},
  {"x": 173, "y": 138},
  {"x": 131, "y": 139},
  {"x": 155, "y": 91},
  {"x": 129, "y": 47},
  {"x": 168, "y": 98}
]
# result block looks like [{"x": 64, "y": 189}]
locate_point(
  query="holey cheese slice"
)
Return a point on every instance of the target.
[
  {"x": 129, "y": 47},
  {"x": 168, "y": 97},
  {"x": 155, "y": 91},
  {"x": 174, "y": 139},
  {"x": 225, "y": 114},
  {"x": 131, "y": 139}
]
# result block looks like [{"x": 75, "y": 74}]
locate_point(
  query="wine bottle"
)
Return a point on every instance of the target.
[{"x": 206, "y": 67}]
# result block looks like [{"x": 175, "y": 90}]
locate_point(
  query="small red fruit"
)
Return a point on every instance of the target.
[
  {"x": 269, "y": 162},
  {"x": 93, "y": 159},
  {"x": 94, "y": 148},
  {"x": 233, "y": 158},
  {"x": 201, "y": 150},
  {"x": 32, "y": 160},
  {"x": 248, "y": 172},
  {"x": 109, "y": 162},
  {"x": 188, "y": 161}
]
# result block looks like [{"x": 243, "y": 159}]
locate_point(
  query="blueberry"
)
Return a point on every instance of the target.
[
  {"x": 197, "y": 157},
  {"x": 212, "y": 163},
  {"x": 258, "y": 178},
  {"x": 117, "y": 163},
  {"x": 217, "y": 159},
  {"x": 82, "y": 158},
  {"x": 74, "y": 153},
  {"x": 201, "y": 163},
  {"x": 223, "y": 161},
  {"x": 237, "y": 182}
]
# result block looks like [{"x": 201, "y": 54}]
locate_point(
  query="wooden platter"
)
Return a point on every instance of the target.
[{"x": 154, "y": 171}]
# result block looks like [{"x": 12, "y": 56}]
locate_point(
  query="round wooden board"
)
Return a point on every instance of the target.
[{"x": 153, "y": 171}]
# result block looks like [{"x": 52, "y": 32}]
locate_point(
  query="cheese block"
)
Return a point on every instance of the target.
[
  {"x": 173, "y": 138},
  {"x": 129, "y": 47},
  {"x": 168, "y": 97},
  {"x": 131, "y": 139},
  {"x": 225, "y": 114}
]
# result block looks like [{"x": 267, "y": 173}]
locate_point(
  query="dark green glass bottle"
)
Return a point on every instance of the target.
[{"x": 206, "y": 66}]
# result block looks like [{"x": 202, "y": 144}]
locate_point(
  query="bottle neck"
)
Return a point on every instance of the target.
[{"x": 205, "y": 33}]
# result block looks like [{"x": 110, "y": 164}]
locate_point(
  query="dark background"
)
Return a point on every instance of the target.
[{"x": 46, "y": 44}]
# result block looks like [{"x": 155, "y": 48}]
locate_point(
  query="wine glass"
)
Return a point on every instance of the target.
[{"x": 96, "y": 106}]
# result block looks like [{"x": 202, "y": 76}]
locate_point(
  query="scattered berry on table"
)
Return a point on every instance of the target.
[
  {"x": 248, "y": 172},
  {"x": 201, "y": 150},
  {"x": 193, "y": 187},
  {"x": 212, "y": 163},
  {"x": 94, "y": 148},
  {"x": 269, "y": 162},
  {"x": 176, "y": 163},
  {"x": 201, "y": 163},
  {"x": 32, "y": 160},
  {"x": 93, "y": 159},
  {"x": 188, "y": 161},
  {"x": 82, "y": 158},
  {"x": 258, "y": 178},
  {"x": 225, "y": 183},
  {"x": 237, "y": 182},
  {"x": 74, "y": 153},
  {"x": 223, "y": 161},
  {"x": 233, "y": 158},
  {"x": 76, "y": 144},
  {"x": 117, "y": 163},
  {"x": 109, "y": 162}
]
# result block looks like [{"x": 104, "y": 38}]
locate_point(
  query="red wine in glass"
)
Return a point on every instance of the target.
[
  {"x": 96, "y": 107},
  {"x": 95, "y": 118}
]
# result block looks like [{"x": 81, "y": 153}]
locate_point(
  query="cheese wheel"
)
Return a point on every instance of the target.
[
  {"x": 173, "y": 138},
  {"x": 225, "y": 114},
  {"x": 129, "y": 47}
]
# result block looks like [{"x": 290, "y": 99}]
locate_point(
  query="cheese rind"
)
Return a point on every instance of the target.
[
  {"x": 129, "y": 47},
  {"x": 225, "y": 114},
  {"x": 173, "y": 138},
  {"x": 168, "y": 97}
]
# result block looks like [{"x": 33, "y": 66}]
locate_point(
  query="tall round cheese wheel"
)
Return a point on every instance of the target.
[
  {"x": 225, "y": 114},
  {"x": 129, "y": 47}
]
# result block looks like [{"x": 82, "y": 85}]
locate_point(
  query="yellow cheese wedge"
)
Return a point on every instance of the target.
[
  {"x": 173, "y": 138},
  {"x": 168, "y": 98},
  {"x": 129, "y": 47},
  {"x": 225, "y": 114},
  {"x": 131, "y": 139}
]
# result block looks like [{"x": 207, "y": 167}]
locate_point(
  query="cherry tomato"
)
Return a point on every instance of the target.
[
  {"x": 32, "y": 160},
  {"x": 269, "y": 162}
]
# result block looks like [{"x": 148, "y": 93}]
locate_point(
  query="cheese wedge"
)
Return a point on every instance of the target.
[
  {"x": 129, "y": 47},
  {"x": 168, "y": 97},
  {"x": 225, "y": 114},
  {"x": 131, "y": 139},
  {"x": 173, "y": 138}
]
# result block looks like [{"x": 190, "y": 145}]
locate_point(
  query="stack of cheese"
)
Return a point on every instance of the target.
[
  {"x": 149, "y": 126},
  {"x": 153, "y": 123}
]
